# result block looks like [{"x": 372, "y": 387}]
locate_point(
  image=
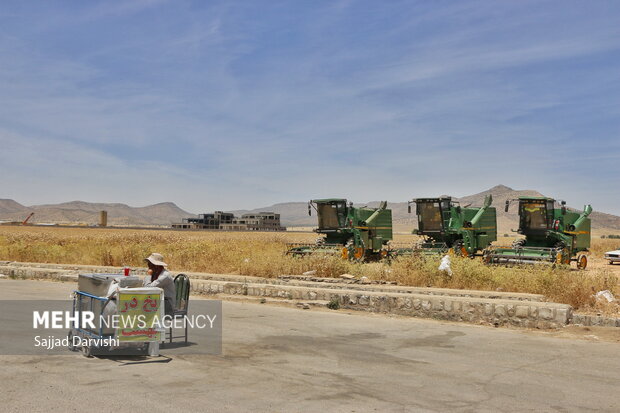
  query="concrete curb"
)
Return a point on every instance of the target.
[
  {"x": 595, "y": 320},
  {"x": 311, "y": 282},
  {"x": 39, "y": 273},
  {"x": 339, "y": 284},
  {"x": 465, "y": 307}
]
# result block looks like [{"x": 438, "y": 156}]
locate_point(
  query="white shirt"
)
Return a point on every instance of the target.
[{"x": 166, "y": 283}]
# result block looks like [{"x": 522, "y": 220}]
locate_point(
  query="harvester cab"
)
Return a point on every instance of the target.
[
  {"x": 354, "y": 233},
  {"x": 331, "y": 213},
  {"x": 447, "y": 227},
  {"x": 553, "y": 235}
]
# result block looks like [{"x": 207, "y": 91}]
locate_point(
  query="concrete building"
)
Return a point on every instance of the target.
[
  {"x": 206, "y": 221},
  {"x": 258, "y": 221}
]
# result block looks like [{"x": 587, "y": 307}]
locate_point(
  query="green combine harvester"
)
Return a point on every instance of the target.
[
  {"x": 448, "y": 227},
  {"x": 552, "y": 235},
  {"x": 360, "y": 234}
]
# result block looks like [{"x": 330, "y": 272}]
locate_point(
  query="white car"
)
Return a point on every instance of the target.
[{"x": 613, "y": 256}]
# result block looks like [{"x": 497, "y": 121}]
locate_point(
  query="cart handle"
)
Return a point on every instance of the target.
[{"x": 96, "y": 297}]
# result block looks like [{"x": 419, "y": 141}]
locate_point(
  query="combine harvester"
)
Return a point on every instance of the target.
[
  {"x": 552, "y": 235},
  {"x": 360, "y": 234},
  {"x": 448, "y": 227}
]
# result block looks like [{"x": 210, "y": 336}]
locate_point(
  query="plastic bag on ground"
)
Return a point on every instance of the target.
[
  {"x": 445, "y": 265},
  {"x": 605, "y": 295}
]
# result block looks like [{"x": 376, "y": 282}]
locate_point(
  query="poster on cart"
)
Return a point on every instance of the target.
[{"x": 140, "y": 312}]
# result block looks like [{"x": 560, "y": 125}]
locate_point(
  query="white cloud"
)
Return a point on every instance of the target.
[{"x": 226, "y": 110}]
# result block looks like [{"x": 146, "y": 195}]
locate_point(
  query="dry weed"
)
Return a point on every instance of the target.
[{"x": 262, "y": 254}]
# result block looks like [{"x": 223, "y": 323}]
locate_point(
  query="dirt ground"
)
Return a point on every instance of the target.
[{"x": 277, "y": 359}]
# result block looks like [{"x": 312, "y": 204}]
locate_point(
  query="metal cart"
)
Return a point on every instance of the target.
[{"x": 101, "y": 336}]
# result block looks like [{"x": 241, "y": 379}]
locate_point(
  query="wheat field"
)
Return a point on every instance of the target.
[{"x": 263, "y": 254}]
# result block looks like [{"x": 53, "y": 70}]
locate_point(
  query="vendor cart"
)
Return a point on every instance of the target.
[{"x": 113, "y": 314}]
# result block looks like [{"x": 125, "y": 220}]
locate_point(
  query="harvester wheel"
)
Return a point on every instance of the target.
[
  {"x": 459, "y": 249},
  {"x": 486, "y": 256},
  {"x": 567, "y": 259},
  {"x": 358, "y": 253},
  {"x": 563, "y": 257},
  {"x": 582, "y": 261},
  {"x": 345, "y": 253}
]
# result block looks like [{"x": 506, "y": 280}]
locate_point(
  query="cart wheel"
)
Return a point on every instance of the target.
[
  {"x": 582, "y": 262},
  {"x": 70, "y": 338},
  {"x": 87, "y": 351}
]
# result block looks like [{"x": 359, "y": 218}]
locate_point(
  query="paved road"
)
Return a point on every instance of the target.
[{"x": 287, "y": 360}]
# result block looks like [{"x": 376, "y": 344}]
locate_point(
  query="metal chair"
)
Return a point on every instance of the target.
[{"x": 182, "y": 287}]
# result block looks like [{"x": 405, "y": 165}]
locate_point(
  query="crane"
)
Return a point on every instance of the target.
[{"x": 25, "y": 222}]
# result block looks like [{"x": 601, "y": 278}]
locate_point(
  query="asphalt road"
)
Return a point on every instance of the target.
[{"x": 289, "y": 360}]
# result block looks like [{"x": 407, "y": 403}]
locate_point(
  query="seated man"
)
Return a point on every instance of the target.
[{"x": 159, "y": 277}]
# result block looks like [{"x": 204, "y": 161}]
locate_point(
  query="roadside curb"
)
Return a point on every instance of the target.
[
  {"x": 469, "y": 306},
  {"x": 595, "y": 320},
  {"x": 529, "y": 314},
  {"x": 291, "y": 280}
]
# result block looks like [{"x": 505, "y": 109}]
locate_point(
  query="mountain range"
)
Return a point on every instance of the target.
[
  {"x": 293, "y": 214},
  {"x": 88, "y": 213}
]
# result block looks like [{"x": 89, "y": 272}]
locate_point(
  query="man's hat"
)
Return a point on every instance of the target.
[{"x": 156, "y": 259}]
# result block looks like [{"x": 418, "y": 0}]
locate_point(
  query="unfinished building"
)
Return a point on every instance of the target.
[
  {"x": 259, "y": 221},
  {"x": 225, "y": 221}
]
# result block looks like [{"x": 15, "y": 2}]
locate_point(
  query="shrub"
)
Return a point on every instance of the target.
[{"x": 333, "y": 304}]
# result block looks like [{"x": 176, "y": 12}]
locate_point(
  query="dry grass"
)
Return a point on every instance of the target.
[
  {"x": 600, "y": 246},
  {"x": 262, "y": 254}
]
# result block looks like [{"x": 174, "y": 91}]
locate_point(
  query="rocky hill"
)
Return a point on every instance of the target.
[{"x": 8, "y": 206}]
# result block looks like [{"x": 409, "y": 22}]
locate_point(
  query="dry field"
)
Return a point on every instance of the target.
[{"x": 262, "y": 254}]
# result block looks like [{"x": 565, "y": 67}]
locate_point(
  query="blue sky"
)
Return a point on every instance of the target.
[{"x": 226, "y": 105}]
